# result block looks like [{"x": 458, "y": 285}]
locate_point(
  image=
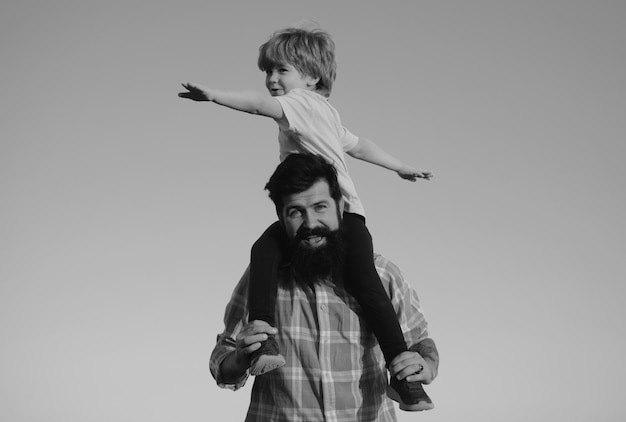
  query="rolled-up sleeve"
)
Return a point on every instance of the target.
[{"x": 235, "y": 317}]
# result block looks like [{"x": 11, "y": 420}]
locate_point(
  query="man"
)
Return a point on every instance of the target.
[{"x": 334, "y": 368}]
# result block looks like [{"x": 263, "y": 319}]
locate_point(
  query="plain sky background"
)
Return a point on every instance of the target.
[{"x": 127, "y": 214}]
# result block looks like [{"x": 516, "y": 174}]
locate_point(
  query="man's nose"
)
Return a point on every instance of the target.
[{"x": 309, "y": 221}]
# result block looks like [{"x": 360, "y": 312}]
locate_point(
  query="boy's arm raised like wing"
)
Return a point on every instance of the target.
[
  {"x": 249, "y": 102},
  {"x": 367, "y": 150}
]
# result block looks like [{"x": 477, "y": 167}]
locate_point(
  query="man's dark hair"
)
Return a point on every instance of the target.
[{"x": 299, "y": 172}]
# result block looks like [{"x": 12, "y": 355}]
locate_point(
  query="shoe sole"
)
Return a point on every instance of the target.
[
  {"x": 417, "y": 407},
  {"x": 266, "y": 363}
]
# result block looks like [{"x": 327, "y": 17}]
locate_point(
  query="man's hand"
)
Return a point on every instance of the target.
[
  {"x": 195, "y": 92},
  {"x": 235, "y": 365},
  {"x": 250, "y": 339},
  {"x": 412, "y": 174},
  {"x": 413, "y": 367}
]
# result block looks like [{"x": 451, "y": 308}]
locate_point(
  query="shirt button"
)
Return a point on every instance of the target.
[{"x": 323, "y": 307}]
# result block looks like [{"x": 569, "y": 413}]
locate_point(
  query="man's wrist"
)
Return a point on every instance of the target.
[
  {"x": 428, "y": 351},
  {"x": 433, "y": 366}
]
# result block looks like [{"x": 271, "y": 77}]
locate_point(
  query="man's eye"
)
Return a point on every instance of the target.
[
  {"x": 293, "y": 213},
  {"x": 321, "y": 207}
]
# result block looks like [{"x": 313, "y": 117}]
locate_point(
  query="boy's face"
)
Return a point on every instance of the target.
[{"x": 284, "y": 77}]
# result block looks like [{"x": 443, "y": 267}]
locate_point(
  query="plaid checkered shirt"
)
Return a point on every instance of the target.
[{"x": 335, "y": 370}]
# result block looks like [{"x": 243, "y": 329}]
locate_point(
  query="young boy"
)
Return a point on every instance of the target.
[{"x": 300, "y": 70}]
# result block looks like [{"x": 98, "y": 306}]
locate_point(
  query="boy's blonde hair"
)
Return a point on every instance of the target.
[{"x": 311, "y": 51}]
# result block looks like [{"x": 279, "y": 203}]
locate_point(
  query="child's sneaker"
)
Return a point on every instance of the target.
[
  {"x": 410, "y": 395},
  {"x": 266, "y": 358}
]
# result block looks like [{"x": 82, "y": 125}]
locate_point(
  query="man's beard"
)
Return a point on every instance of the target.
[{"x": 311, "y": 265}]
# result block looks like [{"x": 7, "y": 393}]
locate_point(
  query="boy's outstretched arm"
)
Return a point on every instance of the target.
[
  {"x": 367, "y": 150},
  {"x": 249, "y": 102}
]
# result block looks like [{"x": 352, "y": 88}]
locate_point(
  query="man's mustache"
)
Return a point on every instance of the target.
[{"x": 304, "y": 232}]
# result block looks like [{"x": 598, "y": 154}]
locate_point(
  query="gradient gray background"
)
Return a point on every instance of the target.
[{"x": 127, "y": 213}]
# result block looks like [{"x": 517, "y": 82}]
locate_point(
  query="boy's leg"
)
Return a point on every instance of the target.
[
  {"x": 363, "y": 282},
  {"x": 265, "y": 258}
]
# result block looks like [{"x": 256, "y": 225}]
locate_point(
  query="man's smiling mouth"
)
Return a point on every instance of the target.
[{"x": 314, "y": 240}]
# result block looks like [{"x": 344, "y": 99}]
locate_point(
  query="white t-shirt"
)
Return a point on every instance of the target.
[{"x": 312, "y": 125}]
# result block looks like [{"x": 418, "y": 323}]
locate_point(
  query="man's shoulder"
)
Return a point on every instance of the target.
[
  {"x": 381, "y": 261},
  {"x": 388, "y": 271}
]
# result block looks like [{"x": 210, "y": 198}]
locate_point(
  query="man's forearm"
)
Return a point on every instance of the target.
[{"x": 427, "y": 350}]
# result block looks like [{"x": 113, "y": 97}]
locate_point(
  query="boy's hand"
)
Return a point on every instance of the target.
[
  {"x": 412, "y": 174},
  {"x": 195, "y": 92}
]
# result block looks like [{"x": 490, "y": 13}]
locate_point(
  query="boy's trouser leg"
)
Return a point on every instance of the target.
[
  {"x": 265, "y": 258},
  {"x": 362, "y": 282}
]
